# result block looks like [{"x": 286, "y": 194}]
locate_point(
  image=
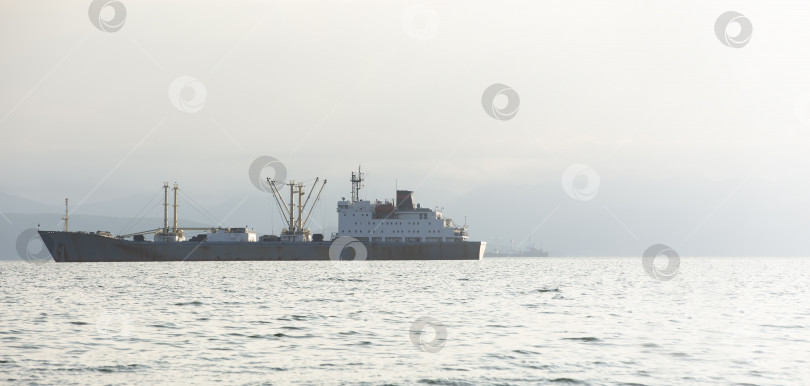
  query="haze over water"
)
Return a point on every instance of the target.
[{"x": 508, "y": 321}]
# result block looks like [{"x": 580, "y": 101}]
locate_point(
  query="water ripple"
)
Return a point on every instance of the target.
[{"x": 515, "y": 321}]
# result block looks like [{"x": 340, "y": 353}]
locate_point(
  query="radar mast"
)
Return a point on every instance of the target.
[{"x": 357, "y": 184}]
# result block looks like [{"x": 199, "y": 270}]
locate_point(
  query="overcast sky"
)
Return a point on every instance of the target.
[{"x": 635, "y": 125}]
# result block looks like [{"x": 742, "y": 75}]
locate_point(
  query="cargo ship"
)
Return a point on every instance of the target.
[{"x": 367, "y": 230}]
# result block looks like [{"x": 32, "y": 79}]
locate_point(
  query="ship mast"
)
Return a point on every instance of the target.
[
  {"x": 165, "y": 207},
  {"x": 291, "y": 224},
  {"x": 174, "y": 228},
  {"x": 66, "y": 218},
  {"x": 173, "y": 233},
  {"x": 357, "y": 183},
  {"x": 300, "y": 191}
]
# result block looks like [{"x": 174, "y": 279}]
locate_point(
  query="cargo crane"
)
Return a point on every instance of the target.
[{"x": 296, "y": 230}]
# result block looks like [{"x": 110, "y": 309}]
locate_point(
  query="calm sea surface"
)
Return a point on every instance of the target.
[{"x": 498, "y": 321}]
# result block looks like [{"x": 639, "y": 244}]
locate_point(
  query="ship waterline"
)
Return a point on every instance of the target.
[{"x": 89, "y": 247}]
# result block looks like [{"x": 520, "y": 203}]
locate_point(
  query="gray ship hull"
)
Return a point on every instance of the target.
[{"x": 88, "y": 247}]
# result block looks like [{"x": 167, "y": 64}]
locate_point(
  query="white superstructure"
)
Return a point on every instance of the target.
[{"x": 386, "y": 222}]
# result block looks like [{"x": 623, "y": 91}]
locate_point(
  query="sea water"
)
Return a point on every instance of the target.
[{"x": 496, "y": 321}]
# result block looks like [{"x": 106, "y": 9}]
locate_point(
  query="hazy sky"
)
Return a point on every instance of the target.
[{"x": 683, "y": 140}]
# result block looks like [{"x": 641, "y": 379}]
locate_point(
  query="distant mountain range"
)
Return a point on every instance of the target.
[{"x": 16, "y": 204}]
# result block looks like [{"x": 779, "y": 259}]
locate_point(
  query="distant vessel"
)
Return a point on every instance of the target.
[
  {"x": 379, "y": 230},
  {"x": 529, "y": 251}
]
